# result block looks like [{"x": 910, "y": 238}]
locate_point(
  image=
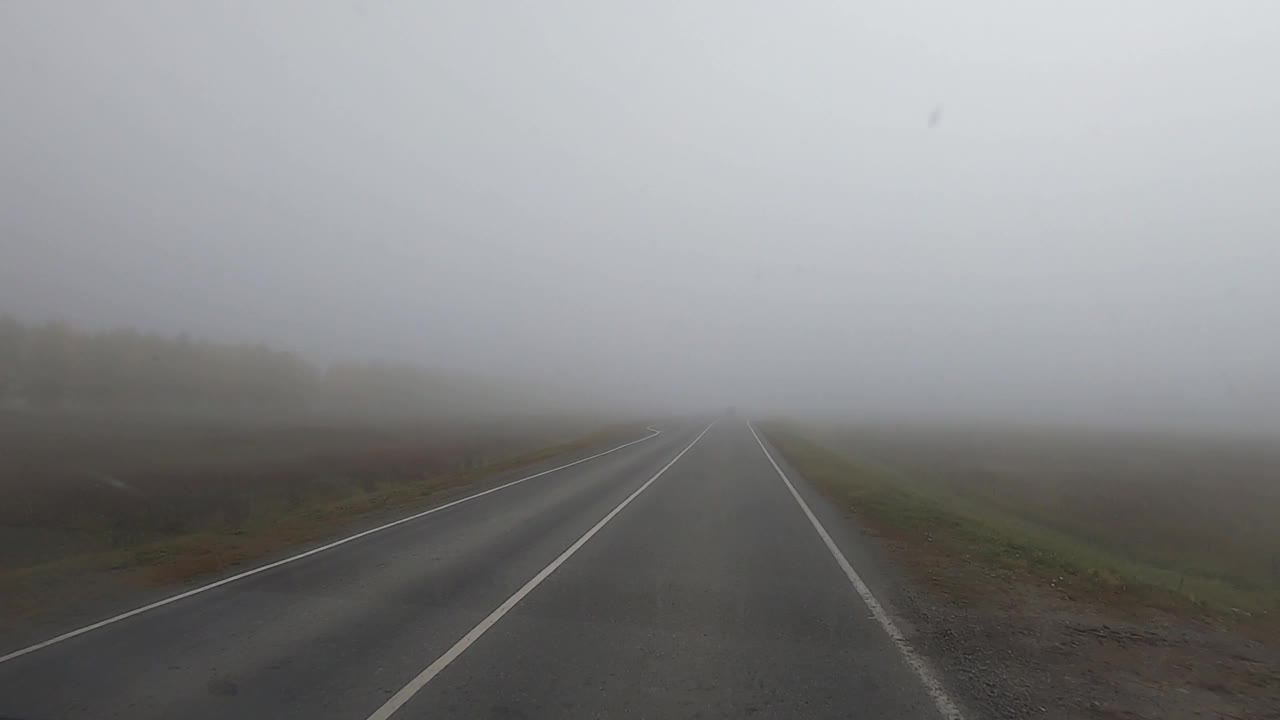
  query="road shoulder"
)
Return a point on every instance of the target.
[{"x": 1013, "y": 646}]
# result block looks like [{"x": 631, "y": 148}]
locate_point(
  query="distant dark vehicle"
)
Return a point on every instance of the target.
[{"x": 731, "y": 411}]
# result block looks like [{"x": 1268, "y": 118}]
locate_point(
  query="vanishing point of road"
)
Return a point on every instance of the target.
[{"x": 690, "y": 574}]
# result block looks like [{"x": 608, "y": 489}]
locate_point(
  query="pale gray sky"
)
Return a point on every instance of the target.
[{"x": 676, "y": 203}]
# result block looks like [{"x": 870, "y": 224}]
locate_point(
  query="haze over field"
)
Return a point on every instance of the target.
[{"x": 1061, "y": 212}]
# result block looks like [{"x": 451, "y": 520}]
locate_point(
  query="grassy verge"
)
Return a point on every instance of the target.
[
  {"x": 270, "y": 529},
  {"x": 1001, "y": 544}
]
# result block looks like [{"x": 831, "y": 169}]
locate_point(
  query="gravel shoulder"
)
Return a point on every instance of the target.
[
  {"x": 1012, "y": 640},
  {"x": 1021, "y": 649}
]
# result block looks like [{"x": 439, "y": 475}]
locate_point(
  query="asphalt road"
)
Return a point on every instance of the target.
[{"x": 625, "y": 586}]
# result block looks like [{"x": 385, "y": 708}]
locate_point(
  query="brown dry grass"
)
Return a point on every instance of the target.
[
  {"x": 203, "y": 553},
  {"x": 93, "y": 505}
]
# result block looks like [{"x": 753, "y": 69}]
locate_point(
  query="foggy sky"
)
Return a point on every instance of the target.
[{"x": 1011, "y": 209}]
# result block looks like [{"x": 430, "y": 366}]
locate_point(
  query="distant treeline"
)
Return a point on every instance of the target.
[{"x": 56, "y": 366}]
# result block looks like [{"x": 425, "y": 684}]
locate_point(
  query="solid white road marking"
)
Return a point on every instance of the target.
[
  {"x": 424, "y": 677},
  {"x": 941, "y": 700},
  {"x": 299, "y": 556}
]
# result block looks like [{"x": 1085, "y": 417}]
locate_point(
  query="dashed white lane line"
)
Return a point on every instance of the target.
[
  {"x": 424, "y": 677},
  {"x": 946, "y": 706},
  {"x": 225, "y": 581}
]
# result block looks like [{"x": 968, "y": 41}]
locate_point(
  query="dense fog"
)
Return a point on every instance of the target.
[{"x": 1048, "y": 212}]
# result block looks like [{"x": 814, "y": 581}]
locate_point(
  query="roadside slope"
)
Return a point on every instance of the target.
[{"x": 1021, "y": 627}]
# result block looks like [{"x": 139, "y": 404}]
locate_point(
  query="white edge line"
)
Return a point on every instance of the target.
[
  {"x": 408, "y": 691},
  {"x": 240, "y": 576},
  {"x": 946, "y": 706}
]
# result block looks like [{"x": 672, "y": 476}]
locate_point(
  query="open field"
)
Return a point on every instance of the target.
[
  {"x": 1194, "y": 516},
  {"x": 1094, "y": 575},
  {"x": 159, "y": 499}
]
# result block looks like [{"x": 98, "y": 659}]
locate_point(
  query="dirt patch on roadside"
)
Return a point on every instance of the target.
[
  {"x": 1026, "y": 621},
  {"x": 1016, "y": 648}
]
